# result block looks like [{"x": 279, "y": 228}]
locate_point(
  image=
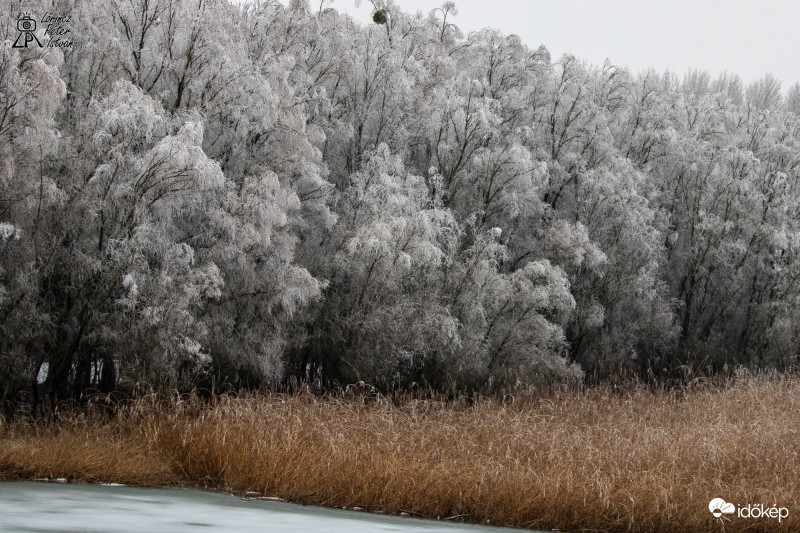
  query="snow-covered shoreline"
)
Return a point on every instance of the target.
[{"x": 61, "y": 507}]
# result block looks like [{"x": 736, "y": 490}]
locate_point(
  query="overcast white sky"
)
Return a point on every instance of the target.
[{"x": 750, "y": 38}]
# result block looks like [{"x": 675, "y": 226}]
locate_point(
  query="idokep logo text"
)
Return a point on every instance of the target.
[{"x": 720, "y": 507}]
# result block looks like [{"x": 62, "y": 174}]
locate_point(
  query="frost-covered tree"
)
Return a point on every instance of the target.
[
  {"x": 407, "y": 280},
  {"x": 30, "y": 94},
  {"x": 202, "y": 194}
]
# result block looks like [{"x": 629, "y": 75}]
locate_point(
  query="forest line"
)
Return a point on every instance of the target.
[{"x": 206, "y": 196}]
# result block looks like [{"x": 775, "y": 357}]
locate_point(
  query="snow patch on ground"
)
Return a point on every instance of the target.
[{"x": 115, "y": 508}]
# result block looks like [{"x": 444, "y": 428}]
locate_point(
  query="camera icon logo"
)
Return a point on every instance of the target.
[
  {"x": 26, "y": 26},
  {"x": 26, "y": 23}
]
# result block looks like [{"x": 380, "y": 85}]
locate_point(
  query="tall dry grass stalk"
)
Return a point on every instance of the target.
[{"x": 601, "y": 460}]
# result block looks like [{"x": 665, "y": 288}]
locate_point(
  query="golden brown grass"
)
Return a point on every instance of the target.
[{"x": 603, "y": 459}]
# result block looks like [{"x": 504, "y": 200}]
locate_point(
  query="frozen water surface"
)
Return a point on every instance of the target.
[{"x": 61, "y": 508}]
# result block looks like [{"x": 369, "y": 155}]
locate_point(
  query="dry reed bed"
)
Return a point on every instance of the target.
[{"x": 602, "y": 459}]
